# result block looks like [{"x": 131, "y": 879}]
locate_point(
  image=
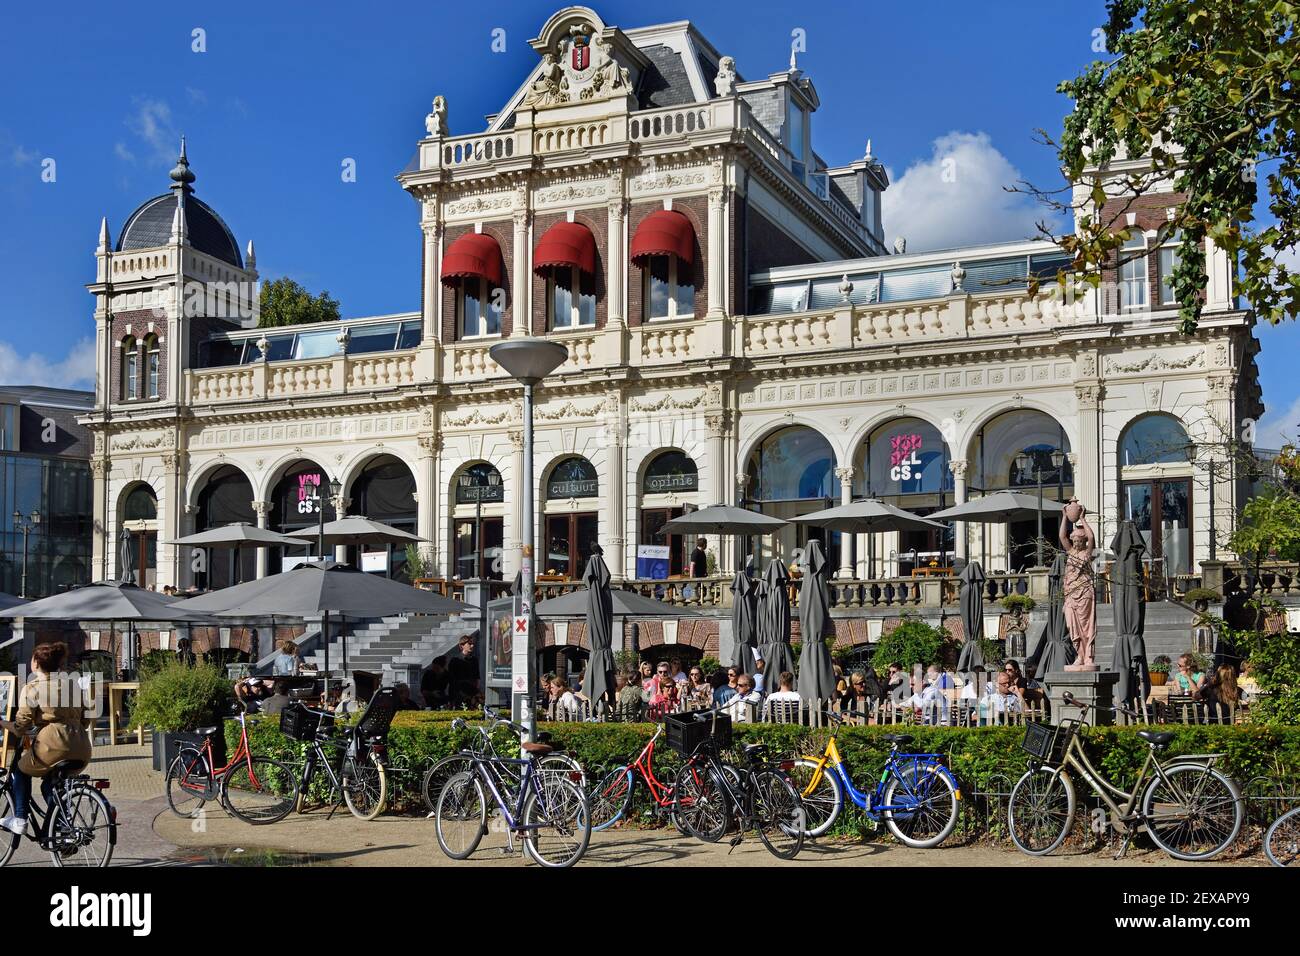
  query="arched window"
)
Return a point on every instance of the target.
[
  {"x": 1154, "y": 440},
  {"x": 152, "y": 360},
  {"x": 794, "y": 463},
  {"x": 225, "y": 499},
  {"x": 472, "y": 266},
  {"x": 671, "y": 471},
  {"x": 130, "y": 368},
  {"x": 906, "y": 456},
  {"x": 572, "y": 478},
  {"x": 1003, "y": 439},
  {"x": 566, "y": 258},
  {"x": 140, "y": 505}
]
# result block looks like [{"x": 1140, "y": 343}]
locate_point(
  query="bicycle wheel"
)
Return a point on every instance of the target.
[
  {"x": 436, "y": 777},
  {"x": 83, "y": 828},
  {"x": 931, "y": 807},
  {"x": 565, "y": 766},
  {"x": 558, "y": 822},
  {"x": 1194, "y": 812},
  {"x": 700, "y": 802},
  {"x": 259, "y": 790},
  {"x": 1041, "y": 810},
  {"x": 823, "y": 801},
  {"x": 460, "y": 819},
  {"x": 188, "y": 784},
  {"x": 610, "y": 798},
  {"x": 8, "y": 841},
  {"x": 778, "y": 814},
  {"x": 365, "y": 786},
  {"x": 1281, "y": 844}
]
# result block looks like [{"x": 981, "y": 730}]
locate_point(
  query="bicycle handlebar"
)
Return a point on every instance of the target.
[{"x": 1072, "y": 701}]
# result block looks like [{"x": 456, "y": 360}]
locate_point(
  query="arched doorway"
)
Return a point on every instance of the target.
[
  {"x": 905, "y": 462},
  {"x": 792, "y": 473},
  {"x": 671, "y": 481},
  {"x": 298, "y": 501},
  {"x": 384, "y": 491},
  {"x": 478, "y": 516},
  {"x": 1155, "y": 475},
  {"x": 571, "y": 522},
  {"x": 1000, "y": 442},
  {"x": 226, "y": 499},
  {"x": 140, "y": 520}
]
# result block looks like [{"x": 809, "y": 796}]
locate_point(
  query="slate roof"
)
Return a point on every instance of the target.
[{"x": 151, "y": 225}]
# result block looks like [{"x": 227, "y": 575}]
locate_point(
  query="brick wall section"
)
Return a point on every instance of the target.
[
  {"x": 202, "y": 328},
  {"x": 503, "y": 232},
  {"x": 768, "y": 246},
  {"x": 694, "y": 208},
  {"x": 738, "y": 294},
  {"x": 1150, "y": 214},
  {"x": 138, "y": 320},
  {"x": 596, "y": 221}
]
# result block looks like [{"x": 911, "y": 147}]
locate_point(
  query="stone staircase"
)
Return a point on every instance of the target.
[
  {"x": 1167, "y": 630},
  {"x": 389, "y": 645}
]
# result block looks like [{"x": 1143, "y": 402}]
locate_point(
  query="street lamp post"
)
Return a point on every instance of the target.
[
  {"x": 1025, "y": 461},
  {"x": 527, "y": 360},
  {"x": 23, "y": 525},
  {"x": 335, "y": 489}
]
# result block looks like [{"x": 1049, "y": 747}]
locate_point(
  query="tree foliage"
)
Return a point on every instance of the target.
[
  {"x": 284, "y": 302},
  {"x": 1208, "y": 89},
  {"x": 1269, "y": 527}
]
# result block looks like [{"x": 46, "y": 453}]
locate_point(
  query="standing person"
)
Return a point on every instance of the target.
[
  {"x": 49, "y": 732},
  {"x": 700, "y": 559},
  {"x": 758, "y": 677},
  {"x": 462, "y": 671},
  {"x": 646, "y": 671},
  {"x": 433, "y": 684},
  {"x": 288, "y": 663},
  {"x": 254, "y": 646}
]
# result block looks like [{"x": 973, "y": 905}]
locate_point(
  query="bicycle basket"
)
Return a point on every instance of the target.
[
  {"x": 685, "y": 732},
  {"x": 298, "y": 723},
  {"x": 1046, "y": 742}
]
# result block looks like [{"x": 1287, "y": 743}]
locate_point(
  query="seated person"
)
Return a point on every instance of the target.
[
  {"x": 928, "y": 697},
  {"x": 1020, "y": 684},
  {"x": 403, "y": 694},
  {"x": 251, "y": 692},
  {"x": 627, "y": 693},
  {"x": 1188, "y": 680},
  {"x": 278, "y": 700},
  {"x": 743, "y": 707},
  {"x": 785, "y": 699}
]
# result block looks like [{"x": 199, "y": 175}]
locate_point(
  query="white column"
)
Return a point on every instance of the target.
[
  {"x": 426, "y": 502},
  {"x": 512, "y": 532},
  {"x": 716, "y": 246},
  {"x": 1086, "y": 460},
  {"x": 263, "y": 511},
  {"x": 958, "y": 468},
  {"x": 845, "y": 475},
  {"x": 520, "y": 304},
  {"x": 616, "y": 266},
  {"x": 432, "y": 306}
]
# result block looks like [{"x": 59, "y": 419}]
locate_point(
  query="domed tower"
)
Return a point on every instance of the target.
[{"x": 174, "y": 275}]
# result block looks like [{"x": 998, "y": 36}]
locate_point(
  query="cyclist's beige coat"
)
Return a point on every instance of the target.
[{"x": 45, "y": 709}]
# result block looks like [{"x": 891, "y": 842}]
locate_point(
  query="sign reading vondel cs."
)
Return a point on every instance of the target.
[{"x": 904, "y": 457}]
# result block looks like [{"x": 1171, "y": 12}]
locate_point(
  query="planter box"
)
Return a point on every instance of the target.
[
  {"x": 167, "y": 745},
  {"x": 1158, "y": 680}
]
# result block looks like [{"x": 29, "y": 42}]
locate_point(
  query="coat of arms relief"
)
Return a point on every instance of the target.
[{"x": 579, "y": 67}]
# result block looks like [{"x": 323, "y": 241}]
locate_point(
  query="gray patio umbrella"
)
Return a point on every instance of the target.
[
  {"x": 774, "y": 624},
  {"x": 354, "y": 530},
  {"x": 816, "y": 671},
  {"x": 724, "y": 519},
  {"x": 999, "y": 507},
  {"x": 1130, "y": 654},
  {"x": 8, "y": 600},
  {"x": 241, "y": 535},
  {"x": 125, "y": 571},
  {"x": 744, "y": 621},
  {"x": 600, "y": 630},
  {"x": 624, "y": 603},
  {"x": 867, "y": 516},
  {"x": 326, "y": 588},
  {"x": 1054, "y": 649},
  {"x": 972, "y": 618}
]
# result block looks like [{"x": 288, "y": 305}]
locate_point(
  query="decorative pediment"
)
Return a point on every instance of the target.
[{"x": 583, "y": 61}]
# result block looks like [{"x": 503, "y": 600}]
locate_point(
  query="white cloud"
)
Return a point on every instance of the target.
[
  {"x": 1279, "y": 426},
  {"x": 956, "y": 197},
  {"x": 197, "y": 96},
  {"x": 152, "y": 122},
  {"x": 120, "y": 150},
  {"x": 74, "y": 370},
  {"x": 22, "y": 156}
]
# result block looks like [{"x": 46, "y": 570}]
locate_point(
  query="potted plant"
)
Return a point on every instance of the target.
[
  {"x": 1159, "y": 670},
  {"x": 1201, "y": 598},
  {"x": 176, "y": 700}
]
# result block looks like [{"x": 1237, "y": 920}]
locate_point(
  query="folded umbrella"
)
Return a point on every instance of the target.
[
  {"x": 972, "y": 618},
  {"x": 816, "y": 670},
  {"x": 1054, "y": 649},
  {"x": 774, "y": 624},
  {"x": 744, "y": 621},
  {"x": 600, "y": 631},
  {"x": 1129, "y": 658}
]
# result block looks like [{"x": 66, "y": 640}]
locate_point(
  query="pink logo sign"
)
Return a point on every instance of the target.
[{"x": 902, "y": 447}]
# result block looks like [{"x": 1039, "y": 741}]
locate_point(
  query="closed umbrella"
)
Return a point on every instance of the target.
[
  {"x": 1055, "y": 649},
  {"x": 744, "y": 621},
  {"x": 816, "y": 672},
  {"x": 774, "y": 624},
  {"x": 600, "y": 630},
  {"x": 126, "y": 573},
  {"x": 1129, "y": 659},
  {"x": 972, "y": 618}
]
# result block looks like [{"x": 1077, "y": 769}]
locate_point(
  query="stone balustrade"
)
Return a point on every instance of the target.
[{"x": 263, "y": 380}]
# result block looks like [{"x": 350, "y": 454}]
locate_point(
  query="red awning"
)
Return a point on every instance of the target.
[
  {"x": 566, "y": 244},
  {"x": 473, "y": 255},
  {"x": 664, "y": 233}
]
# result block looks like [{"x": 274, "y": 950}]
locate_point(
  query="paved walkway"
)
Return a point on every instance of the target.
[{"x": 149, "y": 834}]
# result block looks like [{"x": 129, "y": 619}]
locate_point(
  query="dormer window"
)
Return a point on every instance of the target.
[{"x": 797, "y": 130}]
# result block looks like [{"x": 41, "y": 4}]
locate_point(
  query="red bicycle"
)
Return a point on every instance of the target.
[
  {"x": 611, "y": 797},
  {"x": 253, "y": 789}
]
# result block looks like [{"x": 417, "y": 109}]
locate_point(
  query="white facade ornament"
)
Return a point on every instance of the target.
[
  {"x": 263, "y": 346},
  {"x": 868, "y": 158},
  {"x": 900, "y": 245},
  {"x": 958, "y": 277},
  {"x": 436, "y": 121},
  {"x": 725, "y": 82},
  {"x": 551, "y": 88},
  {"x": 845, "y": 288},
  {"x": 343, "y": 338}
]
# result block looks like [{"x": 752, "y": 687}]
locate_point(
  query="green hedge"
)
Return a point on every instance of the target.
[{"x": 984, "y": 758}]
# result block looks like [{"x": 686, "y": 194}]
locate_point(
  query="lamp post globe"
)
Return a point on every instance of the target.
[{"x": 527, "y": 360}]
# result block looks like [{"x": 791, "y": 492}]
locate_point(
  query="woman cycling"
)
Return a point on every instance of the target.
[{"x": 50, "y": 725}]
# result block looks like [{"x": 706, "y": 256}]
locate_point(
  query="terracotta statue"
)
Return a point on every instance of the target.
[{"x": 1078, "y": 591}]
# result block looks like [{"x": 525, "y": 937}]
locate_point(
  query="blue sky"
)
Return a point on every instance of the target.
[{"x": 286, "y": 91}]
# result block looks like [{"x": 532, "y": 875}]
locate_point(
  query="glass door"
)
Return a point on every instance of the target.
[
  {"x": 568, "y": 543},
  {"x": 470, "y": 562},
  {"x": 1162, "y": 512}
]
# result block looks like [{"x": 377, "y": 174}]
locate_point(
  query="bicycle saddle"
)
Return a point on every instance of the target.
[
  {"x": 751, "y": 749},
  {"x": 537, "y": 750},
  {"x": 205, "y": 731},
  {"x": 68, "y": 768},
  {"x": 900, "y": 739},
  {"x": 1156, "y": 738}
]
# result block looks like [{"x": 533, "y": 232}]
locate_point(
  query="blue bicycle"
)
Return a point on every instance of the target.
[{"x": 916, "y": 795}]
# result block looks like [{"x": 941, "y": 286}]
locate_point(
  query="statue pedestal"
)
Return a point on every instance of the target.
[{"x": 1086, "y": 686}]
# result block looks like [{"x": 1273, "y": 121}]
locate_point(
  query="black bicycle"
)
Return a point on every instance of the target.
[
  {"x": 711, "y": 795},
  {"x": 78, "y": 828},
  {"x": 353, "y": 758}
]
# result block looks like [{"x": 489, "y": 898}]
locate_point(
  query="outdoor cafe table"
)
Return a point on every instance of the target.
[{"x": 117, "y": 690}]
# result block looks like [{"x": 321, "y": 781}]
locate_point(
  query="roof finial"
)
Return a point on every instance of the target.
[
  {"x": 250, "y": 257},
  {"x": 794, "y": 65},
  {"x": 104, "y": 240},
  {"x": 868, "y": 157},
  {"x": 181, "y": 174}
]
